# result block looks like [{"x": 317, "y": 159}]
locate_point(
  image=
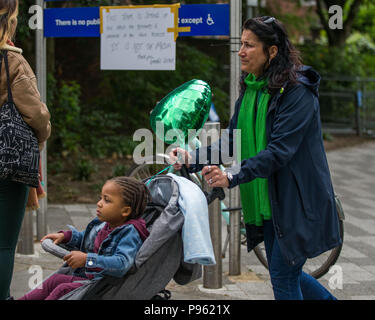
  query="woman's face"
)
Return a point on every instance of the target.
[{"x": 251, "y": 54}]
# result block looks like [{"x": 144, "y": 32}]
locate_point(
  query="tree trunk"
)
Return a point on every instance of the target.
[{"x": 337, "y": 37}]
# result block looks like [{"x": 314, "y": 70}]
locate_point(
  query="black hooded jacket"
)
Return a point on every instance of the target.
[{"x": 300, "y": 188}]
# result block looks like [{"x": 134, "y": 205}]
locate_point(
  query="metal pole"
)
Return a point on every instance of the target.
[
  {"x": 26, "y": 237},
  {"x": 25, "y": 243},
  {"x": 212, "y": 275},
  {"x": 357, "y": 116},
  {"x": 234, "y": 196},
  {"x": 364, "y": 125},
  {"x": 41, "y": 74}
]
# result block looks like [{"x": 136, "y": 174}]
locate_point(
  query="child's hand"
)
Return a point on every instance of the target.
[
  {"x": 76, "y": 259},
  {"x": 56, "y": 237}
]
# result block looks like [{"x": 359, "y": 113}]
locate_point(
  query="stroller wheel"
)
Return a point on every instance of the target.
[{"x": 162, "y": 295}]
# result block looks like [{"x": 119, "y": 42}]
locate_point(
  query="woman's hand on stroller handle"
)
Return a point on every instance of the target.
[
  {"x": 178, "y": 157},
  {"x": 214, "y": 176}
]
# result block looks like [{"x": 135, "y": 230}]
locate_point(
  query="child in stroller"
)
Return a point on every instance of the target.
[
  {"x": 109, "y": 244},
  {"x": 159, "y": 260}
]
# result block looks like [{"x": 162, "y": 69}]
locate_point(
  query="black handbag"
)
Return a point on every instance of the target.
[{"x": 19, "y": 149}]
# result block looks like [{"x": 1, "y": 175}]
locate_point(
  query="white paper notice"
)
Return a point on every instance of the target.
[{"x": 137, "y": 39}]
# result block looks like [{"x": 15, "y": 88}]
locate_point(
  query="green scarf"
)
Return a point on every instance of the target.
[{"x": 256, "y": 205}]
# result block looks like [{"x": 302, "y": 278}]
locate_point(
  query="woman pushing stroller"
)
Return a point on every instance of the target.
[{"x": 109, "y": 244}]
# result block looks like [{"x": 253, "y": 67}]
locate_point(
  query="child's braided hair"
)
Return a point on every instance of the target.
[{"x": 134, "y": 193}]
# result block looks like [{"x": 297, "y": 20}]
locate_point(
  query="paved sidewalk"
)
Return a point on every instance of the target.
[{"x": 353, "y": 174}]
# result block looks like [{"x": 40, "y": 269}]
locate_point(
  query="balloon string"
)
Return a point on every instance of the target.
[
  {"x": 179, "y": 158},
  {"x": 148, "y": 182}
]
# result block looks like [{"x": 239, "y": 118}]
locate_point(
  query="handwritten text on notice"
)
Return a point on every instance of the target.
[{"x": 137, "y": 39}]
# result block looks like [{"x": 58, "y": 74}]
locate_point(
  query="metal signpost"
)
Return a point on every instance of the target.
[
  {"x": 212, "y": 275},
  {"x": 234, "y": 196},
  {"x": 41, "y": 74},
  {"x": 25, "y": 243}
]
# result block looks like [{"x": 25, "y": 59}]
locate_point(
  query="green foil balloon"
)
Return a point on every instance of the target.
[{"x": 185, "y": 108}]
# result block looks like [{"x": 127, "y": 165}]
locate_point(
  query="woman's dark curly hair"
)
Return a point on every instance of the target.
[{"x": 283, "y": 68}]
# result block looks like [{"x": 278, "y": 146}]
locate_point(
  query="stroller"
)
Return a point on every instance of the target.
[{"x": 163, "y": 248}]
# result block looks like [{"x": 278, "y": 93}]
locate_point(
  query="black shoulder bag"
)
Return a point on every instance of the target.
[{"x": 19, "y": 150}]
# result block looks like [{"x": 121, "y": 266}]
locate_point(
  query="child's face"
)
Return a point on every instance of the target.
[{"x": 111, "y": 207}]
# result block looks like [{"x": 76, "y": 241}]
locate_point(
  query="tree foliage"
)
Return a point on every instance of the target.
[{"x": 96, "y": 112}]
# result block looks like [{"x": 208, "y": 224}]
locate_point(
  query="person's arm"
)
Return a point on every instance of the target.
[
  {"x": 289, "y": 128},
  {"x": 118, "y": 264},
  {"x": 76, "y": 237},
  {"x": 210, "y": 155},
  {"x": 224, "y": 143}
]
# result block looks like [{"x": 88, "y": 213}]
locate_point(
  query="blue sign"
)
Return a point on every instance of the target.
[
  {"x": 203, "y": 19},
  {"x": 72, "y": 22},
  {"x": 359, "y": 98}
]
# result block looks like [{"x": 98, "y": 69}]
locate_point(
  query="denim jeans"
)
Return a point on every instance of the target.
[{"x": 290, "y": 282}]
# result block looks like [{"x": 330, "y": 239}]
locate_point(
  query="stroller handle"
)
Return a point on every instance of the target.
[
  {"x": 54, "y": 249},
  {"x": 215, "y": 193}
]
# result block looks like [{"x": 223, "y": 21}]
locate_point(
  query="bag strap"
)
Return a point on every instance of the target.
[
  {"x": 1, "y": 61},
  {"x": 5, "y": 56}
]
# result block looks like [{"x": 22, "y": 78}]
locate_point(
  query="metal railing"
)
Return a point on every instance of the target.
[{"x": 348, "y": 103}]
